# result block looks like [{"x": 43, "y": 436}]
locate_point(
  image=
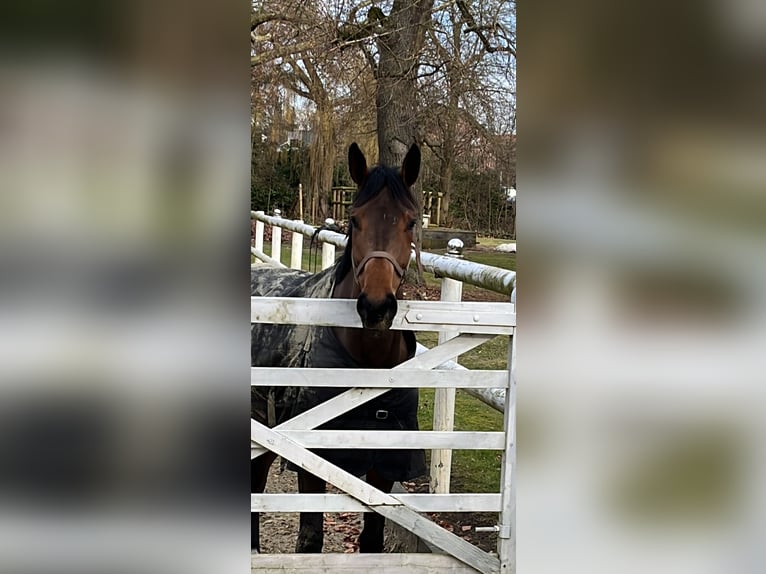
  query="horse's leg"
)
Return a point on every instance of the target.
[
  {"x": 311, "y": 533},
  {"x": 371, "y": 538},
  {"x": 259, "y": 472}
]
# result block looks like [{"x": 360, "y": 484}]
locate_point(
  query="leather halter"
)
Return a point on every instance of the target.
[{"x": 377, "y": 255}]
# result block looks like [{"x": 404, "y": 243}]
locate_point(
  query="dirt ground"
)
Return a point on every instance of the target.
[
  {"x": 279, "y": 531},
  {"x": 428, "y": 293}
]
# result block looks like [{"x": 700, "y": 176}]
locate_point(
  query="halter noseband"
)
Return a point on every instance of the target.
[{"x": 377, "y": 255}]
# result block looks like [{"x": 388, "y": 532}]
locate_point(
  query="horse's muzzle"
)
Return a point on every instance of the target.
[{"x": 377, "y": 315}]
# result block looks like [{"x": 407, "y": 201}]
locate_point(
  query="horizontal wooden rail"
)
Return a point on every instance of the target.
[
  {"x": 324, "y": 236},
  {"x": 474, "y": 317},
  {"x": 374, "y": 378},
  {"x": 355, "y": 563},
  {"x": 294, "y": 502},
  {"x": 397, "y": 439},
  {"x": 261, "y": 256}
]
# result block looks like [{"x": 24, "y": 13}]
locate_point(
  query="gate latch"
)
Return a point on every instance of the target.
[{"x": 503, "y": 531}]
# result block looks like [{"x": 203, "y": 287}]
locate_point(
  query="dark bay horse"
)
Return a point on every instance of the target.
[{"x": 371, "y": 270}]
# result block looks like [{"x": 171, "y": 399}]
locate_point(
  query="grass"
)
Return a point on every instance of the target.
[
  {"x": 308, "y": 257},
  {"x": 472, "y": 470},
  {"x": 494, "y": 258},
  {"x": 492, "y": 241}
]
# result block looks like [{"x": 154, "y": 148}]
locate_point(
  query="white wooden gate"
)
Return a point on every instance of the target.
[{"x": 476, "y": 323}]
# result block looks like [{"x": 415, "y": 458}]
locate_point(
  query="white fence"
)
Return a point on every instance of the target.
[
  {"x": 451, "y": 267},
  {"x": 462, "y": 326}
]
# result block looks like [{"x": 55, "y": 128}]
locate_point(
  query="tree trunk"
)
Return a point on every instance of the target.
[
  {"x": 395, "y": 97},
  {"x": 449, "y": 145},
  {"x": 445, "y": 183},
  {"x": 396, "y": 101},
  {"x": 321, "y": 158}
]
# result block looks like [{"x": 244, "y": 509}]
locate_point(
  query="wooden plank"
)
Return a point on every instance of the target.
[
  {"x": 296, "y": 253},
  {"x": 457, "y": 315},
  {"x": 276, "y": 241},
  {"x": 487, "y": 276},
  {"x": 506, "y": 541},
  {"x": 328, "y": 255},
  {"x": 371, "y": 378},
  {"x": 461, "y": 440},
  {"x": 441, "y": 353},
  {"x": 470, "y": 317},
  {"x": 261, "y": 256},
  {"x": 259, "y": 235},
  {"x": 444, "y": 403},
  {"x": 355, "y": 563},
  {"x": 382, "y": 503},
  {"x": 352, "y": 398},
  {"x": 294, "y": 502}
]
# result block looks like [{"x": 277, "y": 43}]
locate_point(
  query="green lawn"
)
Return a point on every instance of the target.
[
  {"x": 492, "y": 242},
  {"x": 472, "y": 470},
  {"x": 309, "y": 256},
  {"x": 494, "y": 258}
]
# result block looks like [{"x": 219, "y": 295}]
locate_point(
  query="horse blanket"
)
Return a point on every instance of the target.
[{"x": 307, "y": 346}]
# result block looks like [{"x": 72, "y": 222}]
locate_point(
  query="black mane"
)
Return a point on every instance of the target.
[{"x": 379, "y": 178}]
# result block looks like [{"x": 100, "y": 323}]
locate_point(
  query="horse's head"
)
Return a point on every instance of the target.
[{"x": 380, "y": 235}]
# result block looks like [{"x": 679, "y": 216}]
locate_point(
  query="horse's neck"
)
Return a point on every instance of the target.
[{"x": 368, "y": 348}]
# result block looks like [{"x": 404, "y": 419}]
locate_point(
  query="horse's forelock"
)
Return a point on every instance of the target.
[{"x": 379, "y": 178}]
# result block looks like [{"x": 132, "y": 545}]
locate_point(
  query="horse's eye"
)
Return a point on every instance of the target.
[
  {"x": 411, "y": 225},
  {"x": 354, "y": 223}
]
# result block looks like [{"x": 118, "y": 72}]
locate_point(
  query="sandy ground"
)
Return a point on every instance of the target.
[{"x": 279, "y": 531}]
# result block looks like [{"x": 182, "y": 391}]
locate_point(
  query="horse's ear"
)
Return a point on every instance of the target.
[
  {"x": 411, "y": 165},
  {"x": 357, "y": 165}
]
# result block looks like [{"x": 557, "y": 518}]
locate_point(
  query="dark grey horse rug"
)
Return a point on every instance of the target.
[{"x": 305, "y": 346}]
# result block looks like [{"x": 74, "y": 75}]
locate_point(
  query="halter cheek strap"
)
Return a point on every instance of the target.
[{"x": 377, "y": 255}]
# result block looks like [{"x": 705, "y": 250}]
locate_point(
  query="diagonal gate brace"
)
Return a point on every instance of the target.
[
  {"x": 382, "y": 503},
  {"x": 352, "y": 398}
]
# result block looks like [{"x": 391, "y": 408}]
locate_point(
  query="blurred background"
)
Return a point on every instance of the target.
[
  {"x": 123, "y": 269},
  {"x": 642, "y": 308},
  {"x": 124, "y": 162}
]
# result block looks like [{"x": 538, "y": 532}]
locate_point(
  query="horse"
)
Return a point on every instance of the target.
[{"x": 371, "y": 270}]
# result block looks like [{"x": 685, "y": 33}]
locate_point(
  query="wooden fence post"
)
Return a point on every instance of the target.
[
  {"x": 276, "y": 238},
  {"x": 444, "y": 399},
  {"x": 506, "y": 539},
  {"x": 328, "y": 249},
  {"x": 296, "y": 255},
  {"x": 259, "y": 232}
]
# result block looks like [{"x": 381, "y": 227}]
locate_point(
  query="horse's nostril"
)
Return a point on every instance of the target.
[{"x": 375, "y": 312}]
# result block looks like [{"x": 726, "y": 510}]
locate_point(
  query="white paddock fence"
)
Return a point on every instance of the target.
[{"x": 462, "y": 326}]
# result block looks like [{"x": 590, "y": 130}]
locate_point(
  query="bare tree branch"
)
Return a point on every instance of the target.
[
  {"x": 273, "y": 54},
  {"x": 479, "y": 30},
  {"x": 258, "y": 18}
]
